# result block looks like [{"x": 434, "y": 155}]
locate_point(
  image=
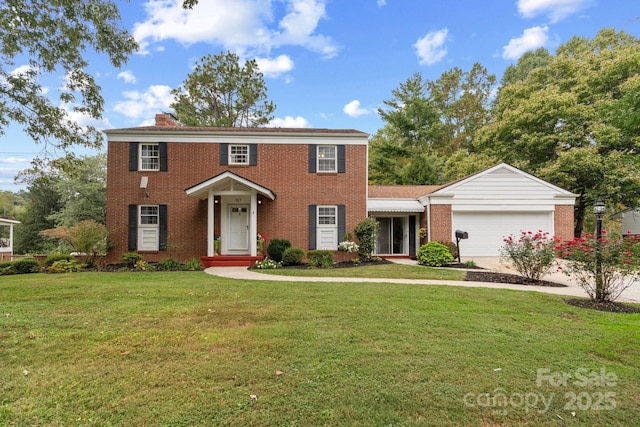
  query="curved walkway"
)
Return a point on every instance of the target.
[{"x": 630, "y": 295}]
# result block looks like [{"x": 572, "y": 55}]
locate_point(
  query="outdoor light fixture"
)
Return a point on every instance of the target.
[
  {"x": 144, "y": 183},
  {"x": 599, "y": 209}
]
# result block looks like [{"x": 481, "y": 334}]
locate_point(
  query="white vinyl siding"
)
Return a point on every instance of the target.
[
  {"x": 149, "y": 157},
  {"x": 327, "y": 158}
]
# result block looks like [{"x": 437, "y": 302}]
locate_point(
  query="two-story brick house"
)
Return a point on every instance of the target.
[
  {"x": 173, "y": 190},
  {"x": 180, "y": 192}
]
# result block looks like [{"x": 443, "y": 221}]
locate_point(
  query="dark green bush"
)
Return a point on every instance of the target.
[
  {"x": 192, "y": 265},
  {"x": 365, "y": 232},
  {"x": 434, "y": 254},
  {"x": 292, "y": 256},
  {"x": 6, "y": 268},
  {"x": 169, "y": 264},
  {"x": 276, "y": 248},
  {"x": 25, "y": 266},
  {"x": 56, "y": 257},
  {"x": 131, "y": 258},
  {"x": 320, "y": 259},
  {"x": 452, "y": 248}
]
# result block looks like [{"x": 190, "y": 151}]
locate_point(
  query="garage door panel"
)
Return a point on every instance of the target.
[{"x": 488, "y": 229}]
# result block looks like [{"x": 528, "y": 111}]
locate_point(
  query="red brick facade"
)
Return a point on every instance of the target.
[
  {"x": 283, "y": 168},
  {"x": 440, "y": 223},
  {"x": 563, "y": 222}
]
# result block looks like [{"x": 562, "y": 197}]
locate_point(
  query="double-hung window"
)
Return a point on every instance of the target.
[
  {"x": 327, "y": 158},
  {"x": 238, "y": 154},
  {"x": 149, "y": 157}
]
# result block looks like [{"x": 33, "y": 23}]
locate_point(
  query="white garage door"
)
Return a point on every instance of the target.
[{"x": 488, "y": 229}]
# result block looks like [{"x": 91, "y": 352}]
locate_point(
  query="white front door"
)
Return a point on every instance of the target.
[{"x": 238, "y": 228}]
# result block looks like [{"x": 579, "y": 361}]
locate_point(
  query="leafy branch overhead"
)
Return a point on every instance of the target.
[{"x": 222, "y": 93}]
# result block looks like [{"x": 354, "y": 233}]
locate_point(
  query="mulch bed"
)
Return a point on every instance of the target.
[
  {"x": 513, "y": 279},
  {"x": 612, "y": 307}
]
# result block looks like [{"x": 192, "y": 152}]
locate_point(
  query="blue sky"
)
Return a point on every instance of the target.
[{"x": 327, "y": 63}]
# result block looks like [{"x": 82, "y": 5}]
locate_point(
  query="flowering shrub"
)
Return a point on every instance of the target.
[
  {"x": 604, "y": 268},
  {"x": 348, "y": 246},
  {"x": 267, "y": 264},
  {"x": 532, "y": 254}
]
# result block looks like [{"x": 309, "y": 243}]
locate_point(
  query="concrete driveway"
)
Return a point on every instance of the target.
[{"x": 490, "y": 263}]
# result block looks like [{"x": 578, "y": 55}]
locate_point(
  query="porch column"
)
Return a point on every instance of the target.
[
  {"x": 10, "y": 242},
  {"x": 210, "y": 224},
  {"x": 253, "y": 224}
]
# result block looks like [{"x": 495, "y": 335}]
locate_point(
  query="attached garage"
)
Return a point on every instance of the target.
[
  {"x": 489, "y": 206},
  {"x": 487, "y": 229}
]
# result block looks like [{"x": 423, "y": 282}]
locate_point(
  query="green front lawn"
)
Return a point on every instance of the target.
[
  {"x": 188, "y": 349},
  {"x": 374, "y": 271}
]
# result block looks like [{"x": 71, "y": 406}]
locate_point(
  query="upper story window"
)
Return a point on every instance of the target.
[
  {"x": 238, "y": 154},
  {"x": 327, "y": 158},
  {"x": 149, "y": 157},
  {"x": 149, "y": 215}
]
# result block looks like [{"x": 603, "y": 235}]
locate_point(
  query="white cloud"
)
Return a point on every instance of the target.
[
  {"x": 23, "y": 69},
  {"x": 353, "y": 109},
  {"x": 532, "y": 38},
  {"x": 238, "y": 25},
  {"x": 14, "y": 161},
  {"x": 430, "y": 48},
  {"x": 275, "y": 67},
  {"x": 289, "y": 122},
  {"x": 555, "y": 10},
  {"x": 127, "y": 76},
  {"x": 145, "y": 104}
]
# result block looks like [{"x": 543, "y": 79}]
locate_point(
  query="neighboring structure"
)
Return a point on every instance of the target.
[
  {"x": 6, "y": 243},
  {"x": 630, "y": 221},
  {"x": 174, "y": 191}
]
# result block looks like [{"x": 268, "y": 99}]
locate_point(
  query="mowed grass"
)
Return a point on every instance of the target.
[
  {"x": 188, "y": 349},
  {"x": 374, "y": 271}
]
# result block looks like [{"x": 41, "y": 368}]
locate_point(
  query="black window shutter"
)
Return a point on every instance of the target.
[
  {"x": 313, "y": 153},
  {"x": 133, "y": 156},
  {"x": 341, "y": 159},
  {"x": 132, "y": 244},
  {"x": 164, "y": 164},
  {"x": 162, "y": 211},
  {"x": 224, "y": 154},
  {"x": 253, "y": 154},
  {"x": 342, "y": 222},
  {"x": 412, "y": 235},
  {"x": 312, "y": 227}
]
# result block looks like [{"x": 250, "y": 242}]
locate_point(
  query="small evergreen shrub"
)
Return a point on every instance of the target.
[
  {"x": 131, "y": 258},
  {"x": 292, "y": 256},
  {"x": 365, "y": 232},
  {"x": 6, "y": 268},
  {"x": 169, "y": 264},
  {"x": 25, "y": 266},
  {"x": 64, "y": 266},
  {"x": 56, "y": 257},
  {"x": 320, "y": 259},
  {"x": 434, "y": 254},
  {"x": 276, "y": 248}
]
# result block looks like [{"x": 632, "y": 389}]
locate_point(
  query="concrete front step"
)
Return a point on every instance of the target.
[{"x": 229, "y": 260}]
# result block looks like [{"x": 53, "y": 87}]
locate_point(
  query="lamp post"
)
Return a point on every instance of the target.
[{"x": 599, "y": 209}]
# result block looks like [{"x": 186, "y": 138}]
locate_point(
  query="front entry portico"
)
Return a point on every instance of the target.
[{"x": 238, "y": 200}]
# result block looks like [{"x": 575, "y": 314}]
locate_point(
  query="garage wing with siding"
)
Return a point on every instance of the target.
[{"x": 497, "y": 202}]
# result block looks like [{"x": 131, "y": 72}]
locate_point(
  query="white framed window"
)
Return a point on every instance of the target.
[
  {"x": 238, "y": 154},
  {"x": 327, "y": 158},
  {"x": 327, "y": 228},
  {"x": 149, "y": 157},
  {"x": 149, "y": 228}
]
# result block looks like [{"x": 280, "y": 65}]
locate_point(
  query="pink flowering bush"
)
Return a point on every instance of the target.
[
  {"x": 604, "y": 268},
  {"x": 531, "y": 254}
]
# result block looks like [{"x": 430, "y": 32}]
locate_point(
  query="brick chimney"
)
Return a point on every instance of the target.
[{"x": 166, "y": 119}]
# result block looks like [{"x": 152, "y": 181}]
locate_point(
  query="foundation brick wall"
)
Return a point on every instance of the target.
[{"x": 283, "y": 169}]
